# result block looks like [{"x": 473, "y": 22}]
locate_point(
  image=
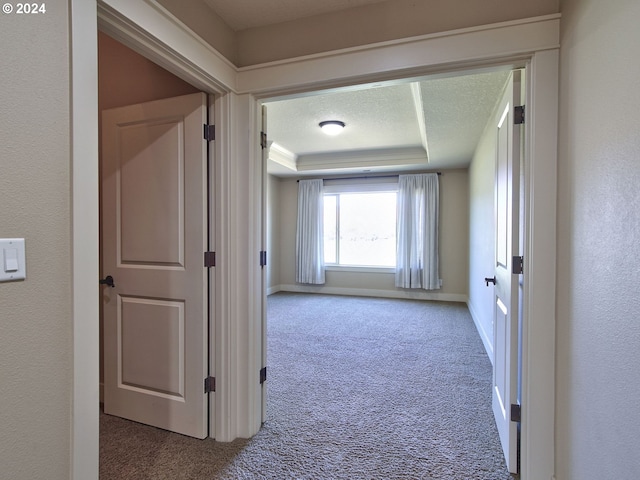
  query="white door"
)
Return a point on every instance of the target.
[
  {"x": 505, "y": 324},
  {"x": 154, "y": 233}
]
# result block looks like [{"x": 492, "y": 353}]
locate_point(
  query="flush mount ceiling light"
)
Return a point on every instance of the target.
[{"x": 332, "y": 127}]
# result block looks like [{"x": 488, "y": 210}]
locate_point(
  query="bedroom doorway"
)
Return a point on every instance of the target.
[{"x": 281, "y": 188}]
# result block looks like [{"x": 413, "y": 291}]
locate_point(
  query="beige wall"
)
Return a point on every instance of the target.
[
  {"x": 453, "y": 242},
  {"x": 126, "y": 78},
  {"x": 273, "y": 231},
  {"x": 388, "y": 20},
  {"x": 598, "y": 326},
  {"x": 36, "y": 364},
  {"x": 204, "y": 21}
]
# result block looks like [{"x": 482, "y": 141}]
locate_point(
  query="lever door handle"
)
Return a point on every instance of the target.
[
  {"x": 108, "y": 280},
  {"x": 487, "y": 280}
]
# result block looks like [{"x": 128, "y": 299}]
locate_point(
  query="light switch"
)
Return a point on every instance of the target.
[{"x": 12, "y": 259}]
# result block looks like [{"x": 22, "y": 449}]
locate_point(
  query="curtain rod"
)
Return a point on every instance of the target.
[{"x": 365, "y": 177}]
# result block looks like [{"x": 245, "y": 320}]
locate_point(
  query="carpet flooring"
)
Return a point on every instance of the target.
[{"x": 358, "y": 388}]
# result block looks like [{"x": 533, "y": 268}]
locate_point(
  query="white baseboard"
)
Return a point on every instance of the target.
[
  {"x": 272, "y": 290},
  {"x": 366, "y": 292},
  {"x": 486, "y": 339}
]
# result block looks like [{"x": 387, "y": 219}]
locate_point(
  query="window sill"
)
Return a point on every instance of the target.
[{"x": 359, "y": 269}]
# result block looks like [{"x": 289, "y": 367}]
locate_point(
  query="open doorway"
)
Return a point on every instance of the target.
[{"x": 389, "y": 130}]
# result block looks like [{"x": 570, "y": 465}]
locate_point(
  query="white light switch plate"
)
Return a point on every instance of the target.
[{"x": 12, "y": 260}]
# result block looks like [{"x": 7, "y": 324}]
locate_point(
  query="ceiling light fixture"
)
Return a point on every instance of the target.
[{"x": 332, "y": 127}]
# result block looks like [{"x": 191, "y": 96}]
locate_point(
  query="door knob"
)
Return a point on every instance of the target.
[
  {"x": 108, "y": 280},
  {"x": 492, "y": 280}
]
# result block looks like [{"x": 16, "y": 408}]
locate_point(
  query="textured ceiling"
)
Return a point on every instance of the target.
[
  {"x": 432, "y": 124},
  {"x": 374, "y": 118},
  {"x": 243, "y": 14}
]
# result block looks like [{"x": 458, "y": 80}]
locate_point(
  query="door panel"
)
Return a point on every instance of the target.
[
  {"x": 154, "y": 193},
  {"x": 157, "y": 369},
  {"x": 156, "y": 205},
  {"x": 505, "y": 325}
]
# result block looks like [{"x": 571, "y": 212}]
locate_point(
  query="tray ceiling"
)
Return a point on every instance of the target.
[{"x": 431, "y": 124}]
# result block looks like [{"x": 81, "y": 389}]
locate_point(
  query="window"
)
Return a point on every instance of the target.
[{"x": 360, "y": 226}]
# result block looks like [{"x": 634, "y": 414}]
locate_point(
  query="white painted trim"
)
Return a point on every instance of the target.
[
  {"x": 274, "y": 289},
  {"x": 282, "y": 156},
  {"x": 224, "y": 332},
  {"x": 484, "y": 335},
  {"x": 150, "y": 29},
  {"x": 368, "y": 292},
  {"x": 84, "y": 230},
  {"x": 367, "y": 270},
  {"x": 358, "y": 159},
  {"x": 418, "y": 104},
  {"x": 433, "y": 53},
  {"x": 239, "y": 298},
  {"x": 539, "y": 308},
  {"x": 214, "y": 107}
]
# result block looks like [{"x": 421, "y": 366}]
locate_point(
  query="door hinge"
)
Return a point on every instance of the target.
[
  {"x": 209, "y": 384},
  {"x": 209, "y": 133},
  {"x": 263, "y": 140},
  {"x": 517, "y": 265},
  {"x": 518, "y": 115},
  {"x": 515, "y": 412},
  {"x": 263, "y": 375},
  {"x": 209, "y": 259},
  {"x": 263, "y": 258}
]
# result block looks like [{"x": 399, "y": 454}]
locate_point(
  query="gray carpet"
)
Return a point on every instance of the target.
[{"x": 359, "y": 388}]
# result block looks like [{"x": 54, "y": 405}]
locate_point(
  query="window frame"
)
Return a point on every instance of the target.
[{"x": 380, "y": 186}]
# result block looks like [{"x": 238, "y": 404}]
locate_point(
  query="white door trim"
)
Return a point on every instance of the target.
[
  {"x": 539, "y": 312},
  {"x": 183, "y": 53},
  {"x": 445, "y": 53},
  {"x": 85, "y": 254}
]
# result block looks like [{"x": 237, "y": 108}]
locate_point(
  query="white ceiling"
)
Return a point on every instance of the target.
[
  {"x": 426, "y": 125},
  {"x": 431, "y": 124}
]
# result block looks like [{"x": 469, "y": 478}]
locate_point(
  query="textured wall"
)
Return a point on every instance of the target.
[
  {"x": 598, "y": 327},
  {"x": 35, "y": 314}
]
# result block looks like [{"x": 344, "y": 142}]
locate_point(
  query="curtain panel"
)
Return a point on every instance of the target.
[
  {"x": 417, "y": 232},
  {"x": 310, "y": 233}
]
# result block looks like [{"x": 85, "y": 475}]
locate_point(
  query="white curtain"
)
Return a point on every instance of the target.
[
  {"x": 310, "y": 233},
  {"x": 417, "y": 232}
]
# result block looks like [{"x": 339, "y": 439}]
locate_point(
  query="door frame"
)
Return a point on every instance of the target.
[{"x": 149, "y": 29}]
